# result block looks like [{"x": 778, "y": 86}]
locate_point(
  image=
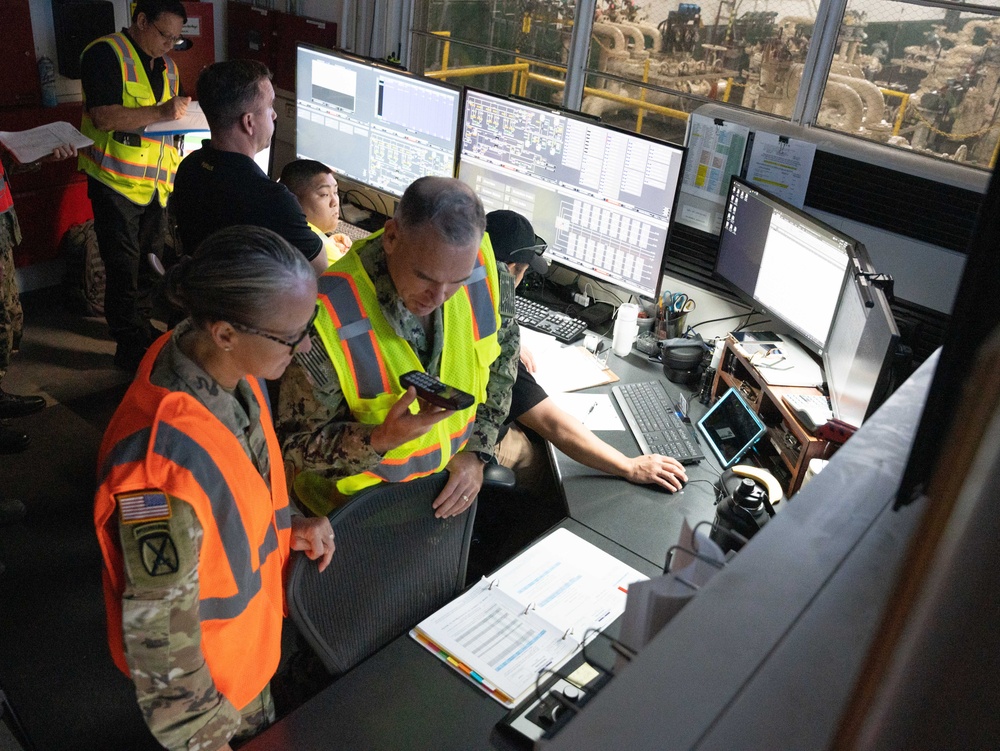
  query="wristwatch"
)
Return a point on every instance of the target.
[{"x": 484, "y": 456}]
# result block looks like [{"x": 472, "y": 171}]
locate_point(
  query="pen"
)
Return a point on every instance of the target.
[{"x": 592, "y": 407}]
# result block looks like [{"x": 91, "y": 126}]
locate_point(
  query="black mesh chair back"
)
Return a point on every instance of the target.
[{"x": 395, "y": 564}]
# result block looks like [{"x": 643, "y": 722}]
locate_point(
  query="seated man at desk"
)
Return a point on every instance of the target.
[
  {"x": 220, "y": 185},
  {"x": 315, "y": 187},
  {"x": 387, "y": 307},
  {"x": 515, "y": 243}
]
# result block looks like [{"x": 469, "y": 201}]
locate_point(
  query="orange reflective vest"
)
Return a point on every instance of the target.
[
  {"x": 6, "y": 199},
  {"x": 369, "y": 358},
  {"x": 168, "y": 441},
  {"x": 136, "y": 170}
]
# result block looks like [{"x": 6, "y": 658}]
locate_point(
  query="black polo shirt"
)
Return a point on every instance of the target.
[
  {"x": 216, "y": 189},
  {"x": 525, "y": 395}
]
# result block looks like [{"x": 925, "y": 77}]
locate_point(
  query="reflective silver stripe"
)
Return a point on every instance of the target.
[
  {"x": 283, "y": 516},
  {"x": 184, "y": 451},
  {"x": 172, "y": 77},
  {"x": 269, "y": 545},
  {"x": 481, "y": 301},
  {"x": 340, "y": 295},
  {"x": 422, "y": 464},
  {"x": 111, "y": 163},
  {"x": 126, "y": 55},
  {"x": 414, "y": 465},
  {"x": 129, "y": 449},
  {"x": 357, "y": 328},
  {"x": 458, "y": 441}
]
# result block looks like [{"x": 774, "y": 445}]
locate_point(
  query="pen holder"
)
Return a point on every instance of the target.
[{"x": 672, "y": 327}]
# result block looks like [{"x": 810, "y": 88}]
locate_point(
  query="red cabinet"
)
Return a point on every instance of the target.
[
  {"x": 270, "y": 36},
  {"x": 19, "y": 71},
  {"x": 200, "y": 30}
]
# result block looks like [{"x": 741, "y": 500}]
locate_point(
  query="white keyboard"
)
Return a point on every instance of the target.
[{"x": 812, "y": 410}]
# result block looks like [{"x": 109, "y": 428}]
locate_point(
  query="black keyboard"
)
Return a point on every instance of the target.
[
  {"x": 649, "y": 412},
  {"x": 536, "y": 316}
]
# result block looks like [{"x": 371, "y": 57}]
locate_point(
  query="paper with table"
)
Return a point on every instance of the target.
[
  {"x": 31, "y": 145},
  {"x": 595, "y": 411},
  {"x": 193, "y": 122},
  {"x": 559, "y": 369},
  {"x": 532, "y": 615}
]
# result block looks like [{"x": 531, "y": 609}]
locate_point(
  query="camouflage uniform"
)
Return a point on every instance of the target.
[
  {"x": 160, "y": 618},
  {"x": 11, "y": 317},
  {"x": 315, "y": 426}
]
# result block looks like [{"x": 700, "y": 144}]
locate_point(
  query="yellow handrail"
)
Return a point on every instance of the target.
[
  {"x": 446, "y": 49},
  {"x": 478, "y": 70},
  {"x": 902, "y": 107},
  {"x": 642, "y": 97},
  {"x": 522, "y": 70}
]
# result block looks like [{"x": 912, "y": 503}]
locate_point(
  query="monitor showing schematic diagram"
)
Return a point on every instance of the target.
[
  {"x": 377, "y": 126},
  {"x": 603, "y": 199}
]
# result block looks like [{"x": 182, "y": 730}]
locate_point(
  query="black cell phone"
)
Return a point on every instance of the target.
[{"x": 433, "y": 391}]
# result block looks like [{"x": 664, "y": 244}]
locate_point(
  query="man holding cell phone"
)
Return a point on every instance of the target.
[{"x": 424, "y": 294}]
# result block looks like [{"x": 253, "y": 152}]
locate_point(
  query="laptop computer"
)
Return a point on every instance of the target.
[{"x": 730, "y": 428}]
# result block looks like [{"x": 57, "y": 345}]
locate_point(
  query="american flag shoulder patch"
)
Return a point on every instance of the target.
[{"x": 143, "y": 506}]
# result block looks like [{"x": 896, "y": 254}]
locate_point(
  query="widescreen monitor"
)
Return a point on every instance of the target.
[
  {"x": 377, "y": 126},
  {"x": 603, "y": 199},
  {"x": 782, "y": 261},
  {"x": 858, "y": 358}
]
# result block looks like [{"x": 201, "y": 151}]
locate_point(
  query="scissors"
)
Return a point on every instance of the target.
[{"x": 678, "y": 302}]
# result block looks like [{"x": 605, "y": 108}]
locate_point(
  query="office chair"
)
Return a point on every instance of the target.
[
  {"x": 395, "y": 564},
  {"x": 13, "y": 722}
]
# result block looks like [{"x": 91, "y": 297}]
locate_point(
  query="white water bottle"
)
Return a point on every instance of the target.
[{"x": 626, "y": 328}]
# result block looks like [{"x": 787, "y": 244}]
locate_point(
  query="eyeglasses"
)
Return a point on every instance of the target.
[
  {"x": 537, "y": 249},
  {"x": 292, "y": 345},
  {"x": 166, "y": 37}
]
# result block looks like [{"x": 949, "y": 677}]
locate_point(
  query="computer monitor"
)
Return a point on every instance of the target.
[
  {"x": 782, "y": 261},
  {"x": 377, "y": 126},
  {"x": 602, "y": 198},
  {"x": 858, "y": 358}
]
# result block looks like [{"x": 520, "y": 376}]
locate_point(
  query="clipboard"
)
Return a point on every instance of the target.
[{"x": 193, "y": 122}]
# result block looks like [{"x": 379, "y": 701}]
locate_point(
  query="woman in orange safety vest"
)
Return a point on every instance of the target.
[{"x": 191, "y": 512}]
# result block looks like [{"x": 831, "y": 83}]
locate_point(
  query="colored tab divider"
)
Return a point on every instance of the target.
[{"x": 461, "y": 667}]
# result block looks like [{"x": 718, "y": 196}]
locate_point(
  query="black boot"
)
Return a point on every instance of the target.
[
  {"x": 12, "y": 442},
  {"x": 12, "y": 405}
]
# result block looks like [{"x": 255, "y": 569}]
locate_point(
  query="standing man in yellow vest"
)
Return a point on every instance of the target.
[
  {"x": 423, "y": 294},
  {"x": 128, "y": 84}
]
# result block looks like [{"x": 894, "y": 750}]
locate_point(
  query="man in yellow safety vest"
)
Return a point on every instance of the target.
[
  {"x": 129, "y": 84},
  {"x": 422, "y": 294}
]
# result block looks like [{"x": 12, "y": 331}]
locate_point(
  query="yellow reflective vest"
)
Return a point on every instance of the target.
[
  {"x": 146, "y": 165},
  {"x": 369, "y": 358}
]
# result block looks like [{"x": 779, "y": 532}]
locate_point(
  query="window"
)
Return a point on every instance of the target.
[
  {"x": 922, "y": 77},
  {"x": 503, "y": 46}
]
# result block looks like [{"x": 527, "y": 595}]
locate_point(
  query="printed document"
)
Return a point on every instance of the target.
[
  {"x": 31, "y": 145},
  {"x": 531, "y": 616}
]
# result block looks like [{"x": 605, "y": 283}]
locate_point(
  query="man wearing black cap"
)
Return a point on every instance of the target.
[{"x": 516, "y": 244}]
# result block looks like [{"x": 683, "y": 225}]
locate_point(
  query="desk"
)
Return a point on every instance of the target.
[
  {"x": 403, "y": 697},
  {"x": 643, "y": 519}
]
